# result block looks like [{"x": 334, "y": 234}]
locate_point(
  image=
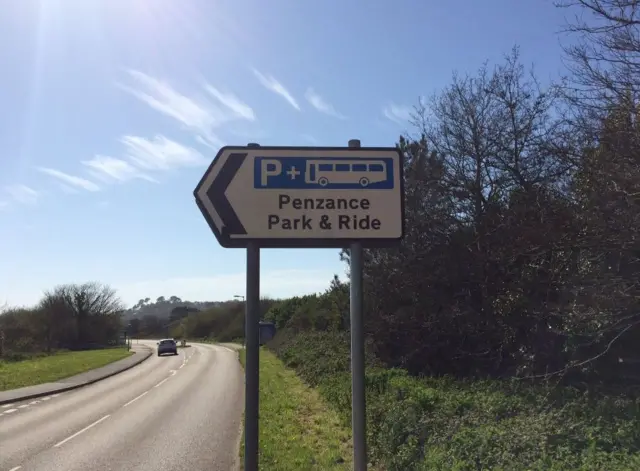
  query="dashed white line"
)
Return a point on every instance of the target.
[
  {"x": 16, "y": 468},
  {"x": 10, "y": 411},
  {"x": 23, "y": 406},
  {"x": 160, "y": 383},
  {"x": 135, "y": 399},
  {"x": 81, "y": 431},
  {"x": 6, "y": 406},
  {"x": 46, "y": 398}
]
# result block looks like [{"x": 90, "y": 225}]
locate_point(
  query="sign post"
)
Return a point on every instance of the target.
[
  {"x": 358, "y": 404},
  {"x": 257, "y": 197}
]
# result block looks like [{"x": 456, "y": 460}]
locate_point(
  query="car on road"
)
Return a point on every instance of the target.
[{"x": 167, "y": 346}]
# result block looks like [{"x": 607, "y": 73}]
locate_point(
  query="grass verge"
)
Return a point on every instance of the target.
[
  {"x": 444, "y": 424},
  {"x": 297, "y": 428},
  {"x": 54, "y": 367}
]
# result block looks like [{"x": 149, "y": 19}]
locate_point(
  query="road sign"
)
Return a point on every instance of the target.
[
  {"x": 303, "y": 196},
  {"x": 267, "y": 331}
]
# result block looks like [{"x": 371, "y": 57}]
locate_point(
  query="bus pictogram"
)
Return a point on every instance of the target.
[{"x": 324, "y": 172}]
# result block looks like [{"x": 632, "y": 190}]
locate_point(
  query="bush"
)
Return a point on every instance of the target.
[{"x": 426, "y": 423}]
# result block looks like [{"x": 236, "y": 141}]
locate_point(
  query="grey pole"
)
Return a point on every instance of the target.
[
  {"x": 358, "y": 402},
  {"x": 252, "y": 363}
]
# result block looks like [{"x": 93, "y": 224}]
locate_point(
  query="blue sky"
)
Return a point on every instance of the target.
[{"x": 113, "y": 108}]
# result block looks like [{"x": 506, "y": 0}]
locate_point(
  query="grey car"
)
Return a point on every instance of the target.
[{"x": 167, "y": 346}]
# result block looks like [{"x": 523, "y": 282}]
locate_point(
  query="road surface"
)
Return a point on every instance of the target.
[{"x": 170, "y": 413}]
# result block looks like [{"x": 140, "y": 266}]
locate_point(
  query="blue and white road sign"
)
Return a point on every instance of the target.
[
  {"x": 303, "y": 196},
  {"x": 330, "y": 173}
]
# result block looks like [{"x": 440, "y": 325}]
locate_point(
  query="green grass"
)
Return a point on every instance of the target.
[
  {"x": 52, "y": 368},
  {"x": 298, "y": 431},
  {"x": 443, "y": 424}
]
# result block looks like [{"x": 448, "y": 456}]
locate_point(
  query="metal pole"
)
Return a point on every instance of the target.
[
  {"x": 358, "y": 400},
  {"x": 252, "y": 363}
]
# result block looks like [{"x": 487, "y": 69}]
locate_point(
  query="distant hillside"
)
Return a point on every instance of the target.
[{"x": 162, "y": 307}]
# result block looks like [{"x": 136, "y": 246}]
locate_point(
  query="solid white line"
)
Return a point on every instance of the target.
[
  {"x": 135, "y": 399},
  {"x": 10, "y": 411},
  {"x": 160, "y": 383},
  {"x": 16, "y": 468},
  {"x": 81, "y": 431}
]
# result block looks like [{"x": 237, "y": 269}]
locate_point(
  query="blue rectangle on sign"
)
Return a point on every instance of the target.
[{"x": 328, "y": 173}]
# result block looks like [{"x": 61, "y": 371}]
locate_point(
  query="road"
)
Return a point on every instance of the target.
[{"x": 170, "y": 413}]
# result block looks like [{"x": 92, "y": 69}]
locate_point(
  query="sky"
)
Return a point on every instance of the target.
[{"x": 112, "y": 110}]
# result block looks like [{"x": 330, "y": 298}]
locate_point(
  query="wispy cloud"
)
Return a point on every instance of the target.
[
  {"x": 397, "y": 113},
  {"x": 72, "y": 180},
  {"x": 270, "y": 83},
  {"x": 232, "y": 102},
  {"x": 321, "y": 105},
  {"x": 109, "y": 169},
  {"x": 160, "y": 153},
  {"x": 200, "y": 116},
  {"x": 23, "y": 194},
  {"x": 68, "y": 189}
]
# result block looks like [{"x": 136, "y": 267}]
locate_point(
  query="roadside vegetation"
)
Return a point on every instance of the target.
[
  {"x": 73, "y": 329},
  {"x": 298, "y": 430},
  {"x": 50, "y": 368}
]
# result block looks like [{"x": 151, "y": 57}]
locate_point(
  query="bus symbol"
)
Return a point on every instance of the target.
[{"x": 363, "y": 172}]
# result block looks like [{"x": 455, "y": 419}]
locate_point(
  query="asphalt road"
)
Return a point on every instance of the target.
[{"x": 169, "y": 413}]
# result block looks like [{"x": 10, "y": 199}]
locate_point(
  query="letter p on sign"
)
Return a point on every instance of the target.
[{"x": 270, "y": 168}]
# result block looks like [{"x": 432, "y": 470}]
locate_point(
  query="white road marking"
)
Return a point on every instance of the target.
[
  {"x": 180, "y": 367},
  {"x": 81, "y": 431},
  {"x": 34, "y": 402},
  {"x": 160, "y": 383},
  {"x": 6, "y": 406},
  {"x": 10, "y": 411},
  {"x": 46, "y": 398},
  {"x": 23, "y": 406},
  {"x": 135, "y": 399},
  {"x": 16, "y": 468}
]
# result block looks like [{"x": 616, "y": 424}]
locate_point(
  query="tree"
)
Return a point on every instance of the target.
[
  {"x": 95, "y": 309},
  {"x": 180, "y": 312},
  {"x": 475, "y": 287},
  {"x": 134, "y": 327},
  {"x": 604, "y": 64}
]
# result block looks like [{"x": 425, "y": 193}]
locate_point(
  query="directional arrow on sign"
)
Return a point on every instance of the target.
[{"x": 303, "y": 196}]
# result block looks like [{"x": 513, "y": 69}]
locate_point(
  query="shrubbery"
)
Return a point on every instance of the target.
[
  {"x": 69, "y": 317},
  {"x": 448, "y": 424}
]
